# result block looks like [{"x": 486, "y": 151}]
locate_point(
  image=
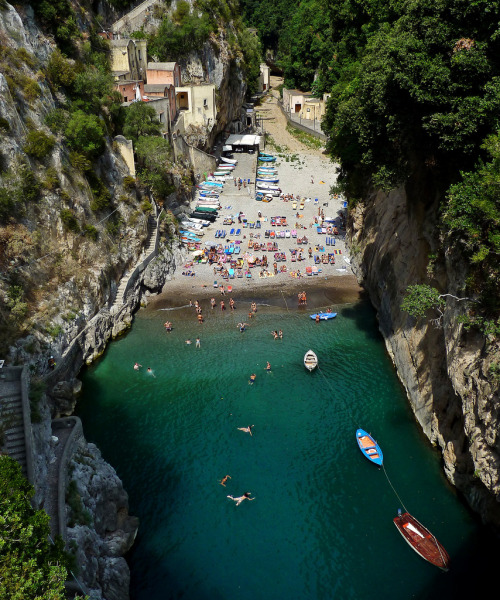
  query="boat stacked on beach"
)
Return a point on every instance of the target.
[
  {"x": 266, "y": 182},
  {"x": 208, "y": 203}
]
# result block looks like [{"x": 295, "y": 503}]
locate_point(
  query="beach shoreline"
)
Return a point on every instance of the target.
[{"x": 335, "y": 290}]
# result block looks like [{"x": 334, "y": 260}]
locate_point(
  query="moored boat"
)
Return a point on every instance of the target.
[
  {"x": 267, "y": 158},
  {"x": 267, "y": 179},
  {"x": 310, "y": 360},
  {"x": 369, "y": 447},
  {"x": 323, "y": 316},
  {"x": 229, "y": 161},
  {"x": 421, "y": 540}
]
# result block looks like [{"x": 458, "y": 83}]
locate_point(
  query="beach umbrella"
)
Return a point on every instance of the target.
[{"x": 197, "y": 252}]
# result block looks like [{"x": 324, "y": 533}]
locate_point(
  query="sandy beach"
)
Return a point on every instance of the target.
[{"x": 307, "y": 174}]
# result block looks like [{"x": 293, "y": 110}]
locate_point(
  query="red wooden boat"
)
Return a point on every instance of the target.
[{"x": 422, "y": 540}]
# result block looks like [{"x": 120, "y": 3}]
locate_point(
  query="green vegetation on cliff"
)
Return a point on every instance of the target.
[{"x": 31, "y": 568}]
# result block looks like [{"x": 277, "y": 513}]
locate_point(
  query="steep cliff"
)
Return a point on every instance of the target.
[
  {"x": 71, "y": 225},
  {"x": 394, "y": 241}
]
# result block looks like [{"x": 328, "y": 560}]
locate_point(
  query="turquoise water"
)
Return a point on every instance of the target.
[{"x": 321, "y": 523}]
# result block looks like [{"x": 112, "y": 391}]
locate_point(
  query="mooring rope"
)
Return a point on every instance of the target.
[{"x": 394, "y": 489}]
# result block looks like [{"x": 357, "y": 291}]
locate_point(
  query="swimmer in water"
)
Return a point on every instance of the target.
[
  {"x": 239, "y": 500},
  {"x": 252, "y": 378},
  {"x": 137, "y": 366},
  {"x": 150, "y": 371},
  {"x": 268, "y": 367},
  {"x": 246, "y": 429},
  {"x": 224, "y": 479},
  {"x": 188, "y": 342}
]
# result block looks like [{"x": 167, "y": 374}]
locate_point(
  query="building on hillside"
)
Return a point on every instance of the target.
[
  {"x": 162, "y": 90},
  {"x": 158, "y": 72},
  {"x": 294, "y": 100},
  {"x": 264, "y": 82},
  {"x": 314, "y": 108},
  {"x": 197, "y": 104},
  {"x": 128, "y": 58},
  {"x": 164, "y": 113},
  {"x": 130, "y": 89}
]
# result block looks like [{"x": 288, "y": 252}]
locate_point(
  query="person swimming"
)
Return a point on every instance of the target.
[
  {"x": 224, "y": 479},
  {"x": 246, "y": 429},
  {"x": 268, "y": 366},
  {"x": 240, "y": 499},
  {"x": 252, "y": 378},
  {"x": 150, "y": 371},
  {"x": 137, "y": 366}
]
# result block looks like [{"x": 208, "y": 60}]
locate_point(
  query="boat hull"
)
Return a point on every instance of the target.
[
  {"x": 310, "y": 360},
  {"x": 369, "y": 447},
  {"x": 420, "y": 539}
]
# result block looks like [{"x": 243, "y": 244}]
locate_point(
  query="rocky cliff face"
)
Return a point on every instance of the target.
[
  {"x": 66, "y": 282},
  {"x": 444, "y": 369},
  {"x": 100, "y": 529}
]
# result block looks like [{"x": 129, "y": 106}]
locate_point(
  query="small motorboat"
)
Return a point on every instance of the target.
[
  {"x": 324, "y": 316},
  {"x": 369, "y": 447},
  {"x": 310, "y": 360},
  {"x": 421, "y": 540},
  {"x": 267, "y": 158},
  {"x": 266, "y": 179}
]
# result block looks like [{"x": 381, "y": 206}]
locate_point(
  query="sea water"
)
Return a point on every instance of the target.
[{"x": 320, "y": 526}]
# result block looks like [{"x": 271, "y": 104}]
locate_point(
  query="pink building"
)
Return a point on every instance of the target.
[
  {"x": 128, "y": 89},
  {"x": 169, "y": 72}
]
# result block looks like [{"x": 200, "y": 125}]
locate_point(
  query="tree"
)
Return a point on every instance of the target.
[
  {"x": 31, "y": 568},
  {"x": 421, "y": 298},
  {"x": 155, "y": 154},
  {"x": 141, "y": 120},
  {"x": 85, "y": 133}
]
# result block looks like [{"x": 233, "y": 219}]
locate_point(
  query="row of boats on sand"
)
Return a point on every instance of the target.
[{"x": 416, "y": 535}]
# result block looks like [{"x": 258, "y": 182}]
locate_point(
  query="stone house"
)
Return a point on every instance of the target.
[
  {"x": 264, "y": 82},
  {"x": 128, "y": 58},
  {"x": 169, "y": 72},
  {"x": 128, "y": 88},
  {"x": 314, "y": 108},
  {"x": 294, "y": 100},
  {"x": 162, "y": 90},
  {"x": 197, "y": 104}
]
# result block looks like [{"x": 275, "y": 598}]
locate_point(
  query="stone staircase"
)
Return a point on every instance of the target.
[
  {"x": 11, "y": 418},
  {"x": 148, "y": 249}
]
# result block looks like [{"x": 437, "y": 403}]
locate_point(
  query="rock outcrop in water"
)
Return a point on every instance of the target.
[{"x": 444, "y": 369}]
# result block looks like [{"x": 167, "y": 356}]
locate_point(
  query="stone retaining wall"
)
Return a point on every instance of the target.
[
  {"x": 74, "y": 440},
  {"x": 301, "y": 126}
]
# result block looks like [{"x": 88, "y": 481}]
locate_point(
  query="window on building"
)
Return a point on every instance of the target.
[
  {"x": 308, "y": 110},
  {"x": 139, "y": 54},
  {"x": 162, "y": 117},
  {"x": 205, "y": 103}
]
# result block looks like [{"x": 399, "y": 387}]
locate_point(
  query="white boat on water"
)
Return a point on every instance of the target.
[{"x": 310, "y": 360}]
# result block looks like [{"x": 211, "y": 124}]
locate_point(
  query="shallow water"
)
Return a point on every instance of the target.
[{"x": 320, "y": 526}]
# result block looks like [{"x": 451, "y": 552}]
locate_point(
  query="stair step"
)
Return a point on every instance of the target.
[{"x": 18, "y": 435}]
